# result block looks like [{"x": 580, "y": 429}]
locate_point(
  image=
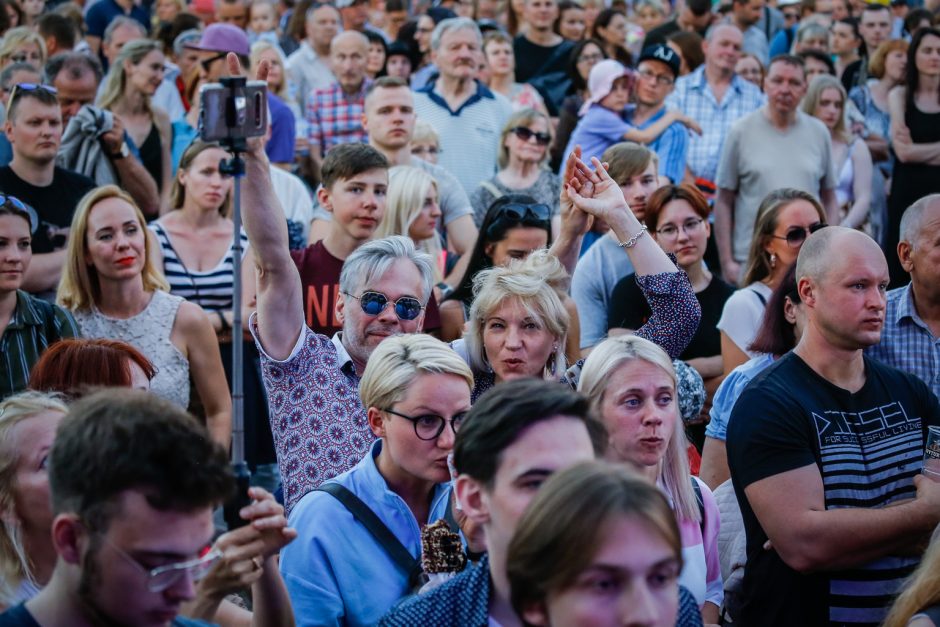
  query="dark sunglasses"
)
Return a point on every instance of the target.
[
  {"x": 539, "y": 215},
  {"x": 205, "y": 63},
  {"x": 797, "y": 235},
  {"x": 22, "y": 207},
  {"x": 525, "y": 134},
  {"x": 374, "y": 303}
]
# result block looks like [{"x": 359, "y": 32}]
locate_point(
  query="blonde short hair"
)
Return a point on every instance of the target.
[
  {"x": 607, "y": 357},
  {"x": 14, "y": 563},
  {"x": 536, "y": 283},
  {"x": 16, "y": 37},
  {"x": 79, "y": 289},
  {"x": 408, "y": 186},
  {"x": 522, "y": 117},
  {"x": 398, "y": 361}
]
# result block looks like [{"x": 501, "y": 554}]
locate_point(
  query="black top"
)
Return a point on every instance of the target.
[
  {"x": 658, "y": 35},
  {"x": 533, "y": 60},
  {"x": 868, "y": 447},
  {"x": 151, "y": 156},
  {"x": 629, "y": 310},
  {"x": 55, "y": 203}
]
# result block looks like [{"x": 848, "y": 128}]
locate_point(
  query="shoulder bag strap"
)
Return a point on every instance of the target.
[
  {"x": 373, "y": 524},
  {"x": 701, "y": 504}
]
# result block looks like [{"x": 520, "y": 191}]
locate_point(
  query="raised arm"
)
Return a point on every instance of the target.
[
  {"x": 574, "y": 222},
  {"x": 675, "y": 312},
  {"x": 280, "y": 302},
  {"x": 861, "y": 186}
]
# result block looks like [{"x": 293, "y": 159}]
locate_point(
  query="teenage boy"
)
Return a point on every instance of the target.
[{"x": 354, "y": 183}]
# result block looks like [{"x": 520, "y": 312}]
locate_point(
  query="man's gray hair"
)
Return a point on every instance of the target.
[
  {"x": 453, "y": 24},
  {"x": 77, "y": 64},
  {"x": 20, "y": 66},
  {"x": 118, "y": 22},
  {"x": 186, "y": 37},
  {"x": 913, "y": 218},
  {"x": 373, "y": 259}
]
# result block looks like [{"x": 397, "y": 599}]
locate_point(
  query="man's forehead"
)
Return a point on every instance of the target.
[{"x": 390, "y": 96}]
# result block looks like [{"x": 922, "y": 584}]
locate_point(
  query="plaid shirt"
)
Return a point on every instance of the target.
[
  {"x": 334, "y": 117},
  {"x": 693, "y": 96},
  {"x": 34, "y": 326},
  {"x": 906, "y": 341}
]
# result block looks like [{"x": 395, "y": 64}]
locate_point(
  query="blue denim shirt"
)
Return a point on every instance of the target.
[
  {"x": 728, "y": 392},
  {"x": 336, "y": 572}
]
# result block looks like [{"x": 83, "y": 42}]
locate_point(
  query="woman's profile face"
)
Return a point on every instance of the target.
[
  {"x": 425, "y": 224},
  {"x": 519, "y": 243},
  {"x": 927, "y": 57},
  {"x": 632, "y": 579},
  {"x": 31, "y": 439},
  {"x": 641, "y": 411},
  {"x": 896, "y": 65},
  {"x": 147, "y": 74}
]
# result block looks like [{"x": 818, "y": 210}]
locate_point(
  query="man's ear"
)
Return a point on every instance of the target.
[
  {"x": 365, "y": 122},
  {"x": 472, "y": 500},
  {"x": 67, "y": 537},
  {"x": 8, "y": 130},
  {"x": 376, "y": 421},
  {"x": 339, "y": 308},
  {"x": 806, "y": 288},
  {"x": 904, "y": 254},
  {"x": 535, "y": 614}
]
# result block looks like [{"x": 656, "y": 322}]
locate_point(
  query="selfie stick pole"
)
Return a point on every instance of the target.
[{"x": 235, "y": 167}]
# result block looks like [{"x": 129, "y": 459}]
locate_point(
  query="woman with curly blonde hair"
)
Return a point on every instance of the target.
[{"x": 919, "y": 604}]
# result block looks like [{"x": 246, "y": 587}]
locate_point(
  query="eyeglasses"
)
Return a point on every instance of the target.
[
  {"x": 797, "y": 235},
  {"x": 164, "y": 577},
  {"x": 661, "y": 79},
  {"x": 690, "y": 226},
  {"x": 791, "y": 16},
  {"x": 26, "y": 87},
  {"x": 590, "y": 58},
  {"x": 205, "y": 63},
  {"x": 374, "y": 303},
  {"x": 525, "y": 134},
  {"x": 21, "y": 206},
  {"x": 430, "y": 427}
]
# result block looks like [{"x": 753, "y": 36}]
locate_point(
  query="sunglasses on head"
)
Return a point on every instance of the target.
[
  {"x": 25, "y": 87},
  {"x": 529, "y": 215},
  {"x": 525, "y": 134},
  {"x": 797, "y": 235},
  {"x": 22, "y": 207},
  {"x": 374, "y": 303}
]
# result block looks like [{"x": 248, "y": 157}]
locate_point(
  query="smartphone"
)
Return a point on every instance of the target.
[{"x": 248, "y": 115}]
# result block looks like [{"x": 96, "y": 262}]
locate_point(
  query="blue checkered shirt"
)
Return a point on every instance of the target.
[
  {"x": 693, "y": 96},
  {"x": 906, "y": 341}
]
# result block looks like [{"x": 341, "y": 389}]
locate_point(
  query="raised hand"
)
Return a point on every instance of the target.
[
  {"x": 573, "y": 220},
  {"x": 255, "y": 144},
  {"x": 596, "y": 193}
]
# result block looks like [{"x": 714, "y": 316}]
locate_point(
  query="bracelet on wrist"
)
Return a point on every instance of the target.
[{"x": 630, "y": 243}]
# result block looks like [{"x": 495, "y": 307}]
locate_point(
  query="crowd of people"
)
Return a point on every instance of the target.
[{"x": 557, "y": 312}]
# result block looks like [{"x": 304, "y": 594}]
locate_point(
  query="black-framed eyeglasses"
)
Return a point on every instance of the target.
[
  {"x": 590, "y": 58},
  {"x": 165, "y": 577},
  {"x": 374, "y": 303},
  {"x": 205, "y": 63},
  {"x": 796, "y": 235},
  {"x": 21, "y": 206},
  {"x": 26, "y": 87},
  {"x": 430, "y": 426},
  {"x": 525, "y": 134},
  {"x": 690, "y": 226}
]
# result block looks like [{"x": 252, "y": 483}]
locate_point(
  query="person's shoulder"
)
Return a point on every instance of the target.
[
  {"x": 812, "y": 122},
  {"x": 452, "y": 603},
  {"x": 720, "y": 288},
  {"x": 894, "y": 379}
]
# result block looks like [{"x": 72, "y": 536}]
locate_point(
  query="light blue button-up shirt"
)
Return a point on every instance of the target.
[{"x": 336, "y": 572}]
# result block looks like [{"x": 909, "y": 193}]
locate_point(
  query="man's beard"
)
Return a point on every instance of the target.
[{"x": 87, "y": 585}]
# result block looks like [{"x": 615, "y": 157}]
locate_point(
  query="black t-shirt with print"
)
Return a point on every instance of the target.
[
  {"x": 54, "y": 203},
  {"x": 868, "y": 447}
]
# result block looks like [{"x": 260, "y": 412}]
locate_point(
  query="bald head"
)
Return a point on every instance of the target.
[
  {"x": 723, "y": 31},
  {"x": 348, "y": 52},
  {"x": 833, "y": 248},
  {"x": 912, "y": 221}
]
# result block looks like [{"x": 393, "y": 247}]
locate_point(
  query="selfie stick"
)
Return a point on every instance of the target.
[{"x": 235, "y": 167}]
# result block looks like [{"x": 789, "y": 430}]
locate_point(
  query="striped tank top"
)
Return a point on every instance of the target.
[{"x": 210, "y": 289}]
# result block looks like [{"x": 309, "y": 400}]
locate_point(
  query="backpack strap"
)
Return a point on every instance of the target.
[
  {"x": 701, "y": 504},
  {"x": 492, "y": 189},
  {"x": 374, "y": 525}
]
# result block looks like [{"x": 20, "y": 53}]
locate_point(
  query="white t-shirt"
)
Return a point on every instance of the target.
[
  {"x": 743, "y": 314},
  {"x": 295, "y": 198}
]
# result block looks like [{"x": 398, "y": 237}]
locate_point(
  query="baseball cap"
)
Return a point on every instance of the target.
[
  {"x": 601, "y": 81},
  {"x": 223, "y": 38},
  {"x": 663, "y": 54}
]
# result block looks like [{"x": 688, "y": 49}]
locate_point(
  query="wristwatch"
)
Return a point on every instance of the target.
[{"x": 123, "y": 152}]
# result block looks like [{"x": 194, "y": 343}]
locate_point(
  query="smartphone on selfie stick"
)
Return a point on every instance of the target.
[{"x": 230, "y": 112}]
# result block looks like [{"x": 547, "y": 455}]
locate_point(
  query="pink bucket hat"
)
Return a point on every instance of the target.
[{"x": 601, "y": 81}]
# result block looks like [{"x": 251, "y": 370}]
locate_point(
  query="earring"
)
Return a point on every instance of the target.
[
  {"x": 555, "y": 347},
  {"x": 773, "y": 260}
]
